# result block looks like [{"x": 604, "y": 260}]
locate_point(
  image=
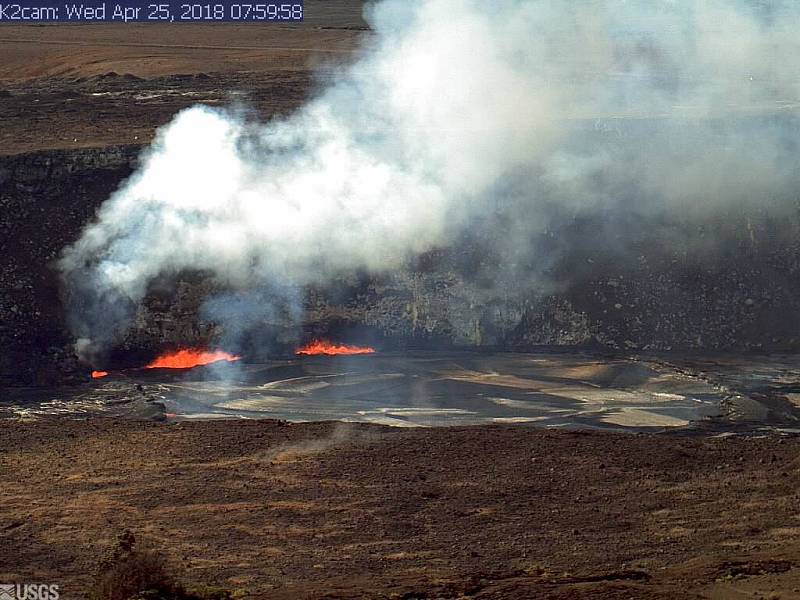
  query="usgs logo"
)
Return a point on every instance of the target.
[{"x": 28, "y": 591}]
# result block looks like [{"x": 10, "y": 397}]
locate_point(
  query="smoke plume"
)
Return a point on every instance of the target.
[{"x": 455, "y": 111}]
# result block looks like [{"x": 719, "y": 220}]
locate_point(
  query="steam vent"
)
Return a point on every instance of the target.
[
  {"x": 400, "y": 299},
  {"x": 624, "y": 282}
]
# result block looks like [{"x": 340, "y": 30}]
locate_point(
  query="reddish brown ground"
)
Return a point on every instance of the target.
[
  {"x": 89, "y": 85},
  {"x": 324, "y": 510}
]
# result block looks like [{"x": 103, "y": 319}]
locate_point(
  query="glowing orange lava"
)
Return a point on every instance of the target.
[
  {"x": 331, "y": 349},
  {"x": 99, "y": 374},
  {"x": 191, "y": 357}
]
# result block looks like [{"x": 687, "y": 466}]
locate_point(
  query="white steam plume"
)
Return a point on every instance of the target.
[{"x": 451, "y": 101}]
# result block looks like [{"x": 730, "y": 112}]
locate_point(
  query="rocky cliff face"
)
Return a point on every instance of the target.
[
  {"x": 636, "y": 293},
  {"x": 45, "y": 198}
]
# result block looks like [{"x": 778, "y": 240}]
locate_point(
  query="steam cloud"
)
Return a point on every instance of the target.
[{"x": 456, "y": 107}]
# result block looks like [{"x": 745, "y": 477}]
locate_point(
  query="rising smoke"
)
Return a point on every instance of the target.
[{"x": 455, "y": 110}]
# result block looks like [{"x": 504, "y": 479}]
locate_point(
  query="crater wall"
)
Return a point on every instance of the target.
[{"x": 628, "y": 296}]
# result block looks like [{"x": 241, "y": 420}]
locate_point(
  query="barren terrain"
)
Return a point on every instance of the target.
[
  {"x": 328, "y": 510},
  {"x": 81, "y": 86}
]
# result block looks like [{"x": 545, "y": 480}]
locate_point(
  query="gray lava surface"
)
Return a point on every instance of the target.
[{"x": 572, "y": 390}]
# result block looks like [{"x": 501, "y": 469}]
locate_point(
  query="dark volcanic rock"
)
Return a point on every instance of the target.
[
  {"x": 45, "y": 199},
  {"x": 634, "y": 294}
]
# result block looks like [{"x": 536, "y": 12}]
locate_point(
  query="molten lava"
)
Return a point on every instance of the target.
[
  {"x": 331, "y": 349},
  {"x": 99, "y": 374},
  {"x": 186, "y": 359}
]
